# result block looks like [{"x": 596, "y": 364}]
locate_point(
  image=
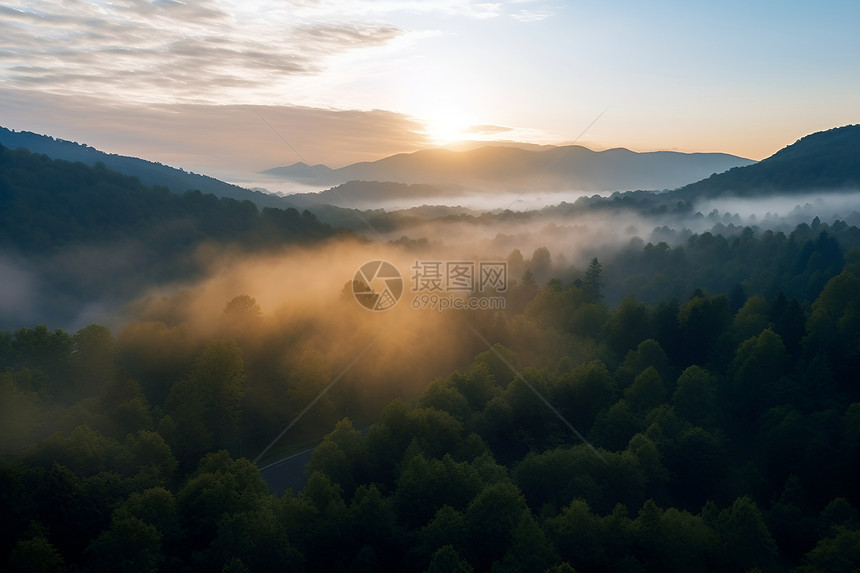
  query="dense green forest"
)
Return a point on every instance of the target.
[
  {"x": 95, "y": 236},
  {"x": 47, "y": 204},
  {"x": 716, "y": 381}
]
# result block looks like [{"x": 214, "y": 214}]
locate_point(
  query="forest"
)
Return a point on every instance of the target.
[
  {"x": 452, "y": 286},
  {"x": 705, "y": 416},
  {"x": 93, "y": 236}
]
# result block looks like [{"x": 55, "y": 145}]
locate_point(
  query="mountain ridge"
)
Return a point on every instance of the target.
[
  {"x": 823, "y": 160},
  {"x": 149, "y": 172},
  {"x": 564, "y": 167}
]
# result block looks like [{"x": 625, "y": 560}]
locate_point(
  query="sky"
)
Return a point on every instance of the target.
[{"x": 228, "y": 87}]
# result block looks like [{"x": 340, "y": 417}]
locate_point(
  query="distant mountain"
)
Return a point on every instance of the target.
[
  {"x": 149, "y": 173},
  {"x": 823, "y": 161},
  {"x": 569, "y": 168},
  {"x": 468, "y": 145}
]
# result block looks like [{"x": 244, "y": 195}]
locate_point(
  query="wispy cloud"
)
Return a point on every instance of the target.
[
  {"x": 214, "y": 138},
  {"x": 531, "y": 15},
  {"x": 170, "y": 51},
  {"x": 487, "y": 129},
  {"x": 363, "y": 8},
  {"x": 487, "y": 10}
]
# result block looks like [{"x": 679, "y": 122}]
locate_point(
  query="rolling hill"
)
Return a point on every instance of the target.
[
  {"x": 569, "y": 168},
  {"x": 75, "y": 237},
  {"x": 823, "y": 161},
  {"x": 149, "y": 172}
]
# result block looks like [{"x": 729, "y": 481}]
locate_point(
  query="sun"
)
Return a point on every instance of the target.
[{"x": 446, "y": 124}]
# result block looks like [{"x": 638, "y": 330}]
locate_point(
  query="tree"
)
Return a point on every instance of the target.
[
  {"x": 35, "y": 554},
  {"x": 648, "y": 353},
  {"x": 340, "y": 456},
  {"x": 530, "y": 550},
  {"x": 744, "y": 537},
  {"x": 426, "y": 485},
  {"x": 93, "y": 360},
  {"x": 516, "y": 263},
  {"x": 490, "y": 522},
  {"x": 447, "y": 560},
  {"x": 695, "y": 397},
  {"x": 448, "y": 527},
  {"x": 593, "y": 282},
  {"x": 758, "y": 366},
  {"x": 155, "y": 506},
  {"x": 702, "y": 320},
  {"x": 582, "y": 394},
  {"x": 241, "y": 317},
  {"x": 206, "y": 405},
  {"x": 838, "y": 553},
  {"x": 220, "y": 486},
  {"x": 613, "y": 428},
  {"x": 147, "y": 453},
  {"x": 128, "y": 545},
  {"x": 647, "y": 391},
  {"x": 579, "y": 536},
  {"x": 541, "y": 264},
  {"x": 628, "y": 326}
]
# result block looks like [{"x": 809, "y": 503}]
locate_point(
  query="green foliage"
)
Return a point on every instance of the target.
[
  {"x": 628, "y": 326},
  {"x": 728, "y": 425},
  {"x": 425, "y": 485},
  {"x": 593, "y": 282},
  {"x": 695, "y": 396},
  {"x": 647, "y": 391},
  {"x": 129, "y": 545},
  {"x": 744, "y": 539},
  {"x": 35, "y": 554},
  {"x": 758, "y": 367},
  {"x": 491, "y": 520},
  {"x": 206, "y": 406},
  {"x": 447, "y": 560},
  {"x": 85, "y": 224},
  {"x": 702, "y": 319},
  {"x": 838, "y": 553}
]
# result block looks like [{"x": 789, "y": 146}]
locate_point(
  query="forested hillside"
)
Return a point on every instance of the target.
[
  {"x": 90, "y": 235},
  {"x": 150, "y": 173},
  {"x": 826, "y": 160},
  {"x": 725, "y": 424},
  {"x": 47, "y": 204}
]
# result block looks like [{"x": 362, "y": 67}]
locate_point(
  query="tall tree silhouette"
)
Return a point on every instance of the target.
[{"x": 593, "y": 281}]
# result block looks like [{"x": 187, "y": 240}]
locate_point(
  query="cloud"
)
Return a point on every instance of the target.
[
  {"x": 487, "y": 10},
  {"x": 171, "y": 51},
  {"x": 487, "y": 129},
  {"x": 16, "y": 289},
  {"x": 212, "y": 138},
  {"x": 468, "y": 8},
  {"x": 531, "y": 15}
]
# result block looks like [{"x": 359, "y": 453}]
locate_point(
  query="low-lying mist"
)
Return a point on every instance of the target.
[
  {"x": 82, "y": 284},
  {"x": 291, "y": 310},
  {"x": 306, "y": 308}
]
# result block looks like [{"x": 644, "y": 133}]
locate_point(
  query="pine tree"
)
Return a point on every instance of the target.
[{"x": 593, "y": 283}]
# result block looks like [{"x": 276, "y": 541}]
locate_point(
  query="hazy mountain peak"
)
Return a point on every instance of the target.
[{"x": 571, "y": 167}]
